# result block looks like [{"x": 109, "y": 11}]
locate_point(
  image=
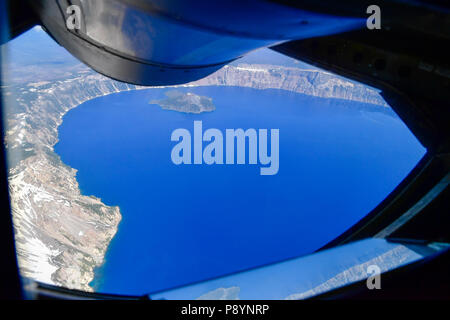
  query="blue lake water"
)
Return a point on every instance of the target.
[{"x": 191, "y": 222}]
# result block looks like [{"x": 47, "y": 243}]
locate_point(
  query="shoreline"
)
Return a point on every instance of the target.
[{"x": 44, "y": 148}]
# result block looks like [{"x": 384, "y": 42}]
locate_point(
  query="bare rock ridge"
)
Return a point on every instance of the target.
[
  {"x": 311, "y": 82},
  {"x": 62, "y": 235}
]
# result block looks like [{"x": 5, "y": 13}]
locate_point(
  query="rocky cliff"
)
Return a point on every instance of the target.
[
  {"x": 61, "y": 235},
  {"x": 311, "y": 82}
]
